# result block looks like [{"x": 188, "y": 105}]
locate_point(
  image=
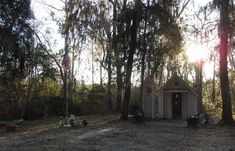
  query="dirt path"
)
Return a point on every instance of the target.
[{"x": 125, "y": 135}]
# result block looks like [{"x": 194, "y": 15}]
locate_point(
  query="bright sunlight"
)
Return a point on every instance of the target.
[{"x": 196, "y": 52}]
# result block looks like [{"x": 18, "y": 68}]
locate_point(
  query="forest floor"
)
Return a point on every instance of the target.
[{"x": 110, "y": 134}]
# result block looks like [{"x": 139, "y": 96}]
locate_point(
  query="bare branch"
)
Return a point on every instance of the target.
[
  {"x": 53, "y": 57},
  {"x": 185, "y": 3},
  {"x": 48, "y": 5},
  {"x": 49, "y": 54}
]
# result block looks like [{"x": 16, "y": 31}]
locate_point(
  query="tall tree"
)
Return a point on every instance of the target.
[
  {"x": 15, "y": 36},
  {"x": 144, "y": 49},
  {"x": 16, "y": 43},
  {"x": 117, "y": 59},
  {"x": 224, "y": 81},
  {"x": 133, "y": 22}
]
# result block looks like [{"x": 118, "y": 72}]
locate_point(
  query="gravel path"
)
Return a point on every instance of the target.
[{"x": 125, "y": 135}]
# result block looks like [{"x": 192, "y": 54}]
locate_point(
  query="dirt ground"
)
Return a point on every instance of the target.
[{"x": 115, "y": 135}]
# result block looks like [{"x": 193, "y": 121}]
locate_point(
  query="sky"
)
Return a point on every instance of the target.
[{"x": 45, "y": 25}]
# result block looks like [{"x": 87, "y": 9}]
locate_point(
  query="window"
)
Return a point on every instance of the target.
[
  {"x": 148, "y": 90},
  {"x": 176, "y": 84}
]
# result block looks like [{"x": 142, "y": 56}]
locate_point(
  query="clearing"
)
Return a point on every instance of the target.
[{"x": 106, "y": 133}]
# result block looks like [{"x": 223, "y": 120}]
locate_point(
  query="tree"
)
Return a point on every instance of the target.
[
  {"x": 15, "y": 37},
  {"x": 223, "y": 51},
  {"x": 117, "y": 59},
  {"x": 16, "y": 43},
  {"x": 133, "y": 18}
]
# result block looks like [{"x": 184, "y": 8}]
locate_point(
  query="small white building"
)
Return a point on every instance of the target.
[{"x": 174, "y": 100}]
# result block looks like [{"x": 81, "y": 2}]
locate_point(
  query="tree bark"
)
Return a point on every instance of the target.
[
  {"x": 92, "y": 63},
  {"x": 143, "y": 59},
  {"x": 199, "y": 66},
  {"x": 224, "y": 81},
  {"x": 213, "y": 84},
  {"x": 109, "y": 88},
  {"x": 101, "y": 73},
  {"x": 118, "y": 60},
  {"x": 66, "y": 49},
  {"x": 129, "y": 65}
]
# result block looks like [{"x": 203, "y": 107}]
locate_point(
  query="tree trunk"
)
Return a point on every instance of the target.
[
  {"x": 109, "y": 103},
  {"x": 224, "y": 81},
  {"x": 65, "y": 88},
  {"x": 101, "y": 73},
  {"x": 199, "y": 84},
  {"x": 66, "y": 49},
  {"x": 92, "y": 63},
  {"x": 129, "y": 65},
  {"x": 213, "y": 84},
  {"x": 118, "y": 60},
  {"x": 119, "y": 88},
  {"x": 127, "y": 94},
  {"x": 143, "y": 59}
]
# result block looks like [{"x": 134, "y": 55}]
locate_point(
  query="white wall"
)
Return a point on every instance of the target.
[
  {"x": 189, "y": 100},
  {"x": 168, "y": 105},
  {"x": 149, "y": 99},
  {"x": 160, "y": 104},
  {"x": 147, "y": 106},
  {"x": 191, "y": 104}
]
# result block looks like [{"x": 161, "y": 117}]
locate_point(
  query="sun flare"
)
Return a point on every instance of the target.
[{"x": 196, "y": 52}]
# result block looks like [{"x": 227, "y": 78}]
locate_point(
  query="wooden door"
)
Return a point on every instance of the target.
[{"x": 176, "y": 105}]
